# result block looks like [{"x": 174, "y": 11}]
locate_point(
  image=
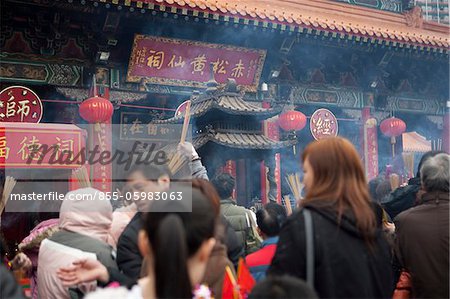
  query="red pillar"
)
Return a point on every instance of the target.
[{"x": 230, "y": 168}]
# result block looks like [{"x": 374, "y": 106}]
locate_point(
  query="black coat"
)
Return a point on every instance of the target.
[
  {"x": 402, "y": 198},
  {"x": 129, "y": 258},
  {"x": 345, "y": 267}
]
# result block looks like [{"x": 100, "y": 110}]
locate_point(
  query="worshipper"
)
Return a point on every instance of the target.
[
  {"x": 225, "y": 237},
  {"x": 141, "y": 178},
  {"x": 422, "y": 243},
  {"x": 84, "y": 225},
  {"x": 282, "y": 287},
  {"x": 148, "y": 178},
  {"x": 240, "y": 218},
  {"x": 347, "y": 255},
  {"x": 27, "y": 258},
  {"x": 269, "y": 219},
  {"x": 177, "y": 244},
  {"x": 405, "y": 197},
  {"x": 215, "y": 269}
]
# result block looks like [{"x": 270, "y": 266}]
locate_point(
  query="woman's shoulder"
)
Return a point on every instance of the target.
[{"x": 117, "y": 293}]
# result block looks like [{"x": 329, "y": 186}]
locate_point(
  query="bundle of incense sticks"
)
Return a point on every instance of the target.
[
  {"x": 178, "y": 160},
  {"x": 394, "y": 179},
  {"x": 295, "y": 185},
  {"x": 82, "y": 176},
  {"x": 408, "y": 162},
  {"x": 10, "y": 182},
  {"x": 287, "y": 204}
]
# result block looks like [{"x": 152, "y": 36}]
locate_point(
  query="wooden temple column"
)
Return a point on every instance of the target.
[{"x": 230, "y": 168}]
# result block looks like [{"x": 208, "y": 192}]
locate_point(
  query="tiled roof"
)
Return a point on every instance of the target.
[
  {"x": 228, "y": 103},
  {"x": 414, "y": 142},
  {"x": 240, "y": 141},
  {"x": 323, "y": 15}
]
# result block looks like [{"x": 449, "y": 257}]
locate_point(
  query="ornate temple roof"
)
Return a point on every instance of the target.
[
  {"x": 240, "y": 141},
  {"x": 228, "y": 100},
  {"x": 323, "y": 15}
]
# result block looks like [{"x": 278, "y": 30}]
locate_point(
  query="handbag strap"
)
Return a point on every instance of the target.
[{"x": 309, "y": 248}]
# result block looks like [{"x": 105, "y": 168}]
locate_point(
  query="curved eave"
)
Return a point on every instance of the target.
[
  {"x": 241, "y": 141},
  {"x": 338, "y": 19},
  {"x": 237, "y": 107}
]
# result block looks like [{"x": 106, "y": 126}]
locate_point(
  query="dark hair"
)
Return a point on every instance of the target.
[
  {"x": 373, "y": 184},
  {"x": 224, "y": 184},
  {"x": 270, "y": 219},
  {"x": 277, "y": 287},
  {"x": 425, "y": 157},
  {"x": 176, "y": 236},
  {"x": 383, "y": 190},
  {"x": 150, "y": 172}
]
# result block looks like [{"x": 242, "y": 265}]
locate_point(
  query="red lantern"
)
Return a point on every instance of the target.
[
  {"x": 392, "y": 127},
  {"x": 96, "y": 110},
  {"x": 292, "y": 120}
]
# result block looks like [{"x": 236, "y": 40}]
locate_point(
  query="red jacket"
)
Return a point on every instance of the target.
[{"x": 259, "y": 261}]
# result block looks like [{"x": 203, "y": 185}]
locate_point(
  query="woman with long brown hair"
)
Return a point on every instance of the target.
[{"x": 347, "y": 252}]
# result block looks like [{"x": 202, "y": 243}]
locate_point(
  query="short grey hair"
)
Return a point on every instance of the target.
[{"x": 434, "y": 173}]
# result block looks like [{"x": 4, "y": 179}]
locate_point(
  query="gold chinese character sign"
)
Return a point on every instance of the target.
[
  {"x": 20, "y": 104},
  {"x": 169, "y": 61},
  {"x": 323, "y": 124}
]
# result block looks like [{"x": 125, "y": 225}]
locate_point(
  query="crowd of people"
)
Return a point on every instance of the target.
[{"x": 347, "y": 238}]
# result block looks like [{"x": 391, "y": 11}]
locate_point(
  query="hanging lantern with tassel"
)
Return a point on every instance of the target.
[
  {"x": 292, "y": 121},
  {"x": 392, "y": 127}
]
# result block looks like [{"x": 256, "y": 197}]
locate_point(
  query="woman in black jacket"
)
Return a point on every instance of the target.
[{"x": 351, "y": 256}]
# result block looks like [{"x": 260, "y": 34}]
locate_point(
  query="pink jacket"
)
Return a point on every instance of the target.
[
  {"x": 91, "y": 217},
  {"x": 121, "y": 218}
]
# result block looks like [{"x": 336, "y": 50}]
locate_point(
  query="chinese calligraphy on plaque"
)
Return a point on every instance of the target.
[
  {"x": 323, "y": 124},
  {"x": 43, "y": 147},
  {"x": 20, "y": 104},
  {"x": 187, "y": 63}
]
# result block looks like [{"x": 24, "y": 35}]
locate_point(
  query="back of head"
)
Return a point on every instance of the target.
[
  {"x": 425, "y": 157},
  {"x": 224, "y": 184},
  {"x": 383, "y": 190},
  {"x": 435, "y": 174},
  {"x": 175, "y": 237},
  {"x": 282, "y": 287},
  {"x": 339, "y": 180},
  {"x": 86, "y": 211},
  {"x": 270, "y": 219}
]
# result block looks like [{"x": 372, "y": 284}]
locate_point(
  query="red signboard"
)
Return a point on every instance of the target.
[
  {"x": 20, "y": 104},
  {"x": 323, "y": 124},
  {"x": 371, "y": 148},
  {"x": 170, "y": 61},
  {"x": 21, "y": 145}
]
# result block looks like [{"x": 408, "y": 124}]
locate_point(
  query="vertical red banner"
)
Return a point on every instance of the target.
[
  {"x": 271, "y": 130},
  {"x": 102, "y": 172},
  {"x": 371, "y": 148}
]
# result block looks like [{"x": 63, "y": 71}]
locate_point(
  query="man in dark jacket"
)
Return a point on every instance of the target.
[
  {"x": 422, "y": 245},
  {"x": 404, "y": 198},
  {"x": 148, "y": 178}
]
